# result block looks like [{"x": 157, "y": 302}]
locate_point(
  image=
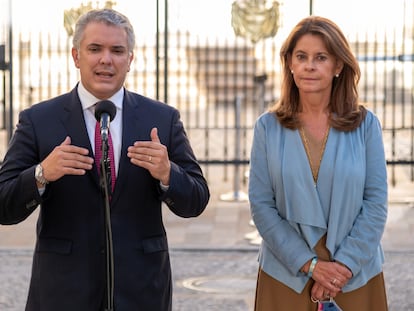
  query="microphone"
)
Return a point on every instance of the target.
[{"x": 105, "y": 112}]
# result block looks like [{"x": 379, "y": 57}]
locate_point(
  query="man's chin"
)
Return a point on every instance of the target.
[{"x": 104, "y": 91}]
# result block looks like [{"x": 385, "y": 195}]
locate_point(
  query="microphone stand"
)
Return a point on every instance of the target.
[{"x": 105, "y": 182}]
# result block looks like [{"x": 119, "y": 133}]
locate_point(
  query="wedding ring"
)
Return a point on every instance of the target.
[
  {"x": 333, "y": 281},
  {"x": 149, "y": 158},
  {"x": 314, "y": 300}
]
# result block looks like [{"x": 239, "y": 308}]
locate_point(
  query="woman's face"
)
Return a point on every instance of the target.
[{"x": 314, "y": 68}]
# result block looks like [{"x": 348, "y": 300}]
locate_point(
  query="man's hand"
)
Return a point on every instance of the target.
[
  {"x": 153, "y": 156},
  {"x": 66, "y": 159}
]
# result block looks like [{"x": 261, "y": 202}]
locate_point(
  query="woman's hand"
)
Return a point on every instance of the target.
[{"x": 329, "y": 278}]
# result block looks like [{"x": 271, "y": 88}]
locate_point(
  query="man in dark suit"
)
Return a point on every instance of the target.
[{"x": 50, "y": 162}]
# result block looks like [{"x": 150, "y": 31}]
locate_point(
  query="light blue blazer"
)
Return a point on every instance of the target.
[{"x": 349, "y": 202}]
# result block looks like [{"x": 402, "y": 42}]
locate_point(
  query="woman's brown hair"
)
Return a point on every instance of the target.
[{"x": 346, "y": 113}]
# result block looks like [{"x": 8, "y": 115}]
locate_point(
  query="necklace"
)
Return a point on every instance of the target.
[{"x": 314, "y": 166}]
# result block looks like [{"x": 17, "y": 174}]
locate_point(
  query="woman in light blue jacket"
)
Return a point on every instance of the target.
[{"x": 318, "y": 182}]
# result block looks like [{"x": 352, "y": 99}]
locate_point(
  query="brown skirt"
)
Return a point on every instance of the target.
[{"x": 272, "y": 295}]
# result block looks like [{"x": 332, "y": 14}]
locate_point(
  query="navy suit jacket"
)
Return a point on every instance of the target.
[{"x": 69, "y": 260}]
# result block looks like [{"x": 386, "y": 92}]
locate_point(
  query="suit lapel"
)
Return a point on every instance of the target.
[
  {"x": 132, "y": 130},
  {"x": 74, "y": 123}
]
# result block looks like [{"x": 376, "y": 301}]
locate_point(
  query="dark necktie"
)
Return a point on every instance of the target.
[{"x": 98, "y": 153}]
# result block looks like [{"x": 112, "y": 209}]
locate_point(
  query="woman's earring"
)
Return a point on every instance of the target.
[
  {"x": 291, "y": 71},
  {"x": 337, "y": 75}
]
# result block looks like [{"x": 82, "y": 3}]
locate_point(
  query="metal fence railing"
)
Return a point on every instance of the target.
[{"x": 206, "y": 79}]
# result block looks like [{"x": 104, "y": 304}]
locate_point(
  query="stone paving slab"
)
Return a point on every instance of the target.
[
  {"x": 214, "y": 265},
  {"x": 216, "y": 280}
]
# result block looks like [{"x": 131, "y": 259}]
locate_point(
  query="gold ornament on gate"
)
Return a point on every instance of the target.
[
  {"x": 255, "y": 19},
  {"x": 71, "y": 16}
]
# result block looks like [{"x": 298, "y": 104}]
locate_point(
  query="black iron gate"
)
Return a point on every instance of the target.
[
  {"x": 221, "y": 82},
  {"x": 6, "y": 69}
]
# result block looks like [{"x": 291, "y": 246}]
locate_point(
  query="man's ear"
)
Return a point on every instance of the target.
[
  {"x": 75, "y": 56},
  {"x": 131, "y": 57}
]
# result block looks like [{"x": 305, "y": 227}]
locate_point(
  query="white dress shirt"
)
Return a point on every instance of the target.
[{"x": 88, "y": 101}]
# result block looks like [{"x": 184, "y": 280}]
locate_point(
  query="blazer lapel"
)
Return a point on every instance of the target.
[{"x": 302, "y": 199}]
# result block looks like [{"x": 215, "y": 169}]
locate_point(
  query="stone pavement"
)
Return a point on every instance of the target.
[{"x": 214, "y": 265}]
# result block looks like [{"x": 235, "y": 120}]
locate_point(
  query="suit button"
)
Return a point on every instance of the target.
[
  {"x": 169, "y": 201},
  {"x": 31, "y": 204}
]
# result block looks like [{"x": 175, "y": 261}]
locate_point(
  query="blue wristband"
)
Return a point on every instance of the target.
[{"x": 312, "y": 266}]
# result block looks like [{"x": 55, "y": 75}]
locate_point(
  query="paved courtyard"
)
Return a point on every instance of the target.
[
  {"x": 207, "y": 280},
  {"x": 214, "y": 265}
]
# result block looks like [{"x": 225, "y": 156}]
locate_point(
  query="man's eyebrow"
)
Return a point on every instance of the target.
[{"x": 119, "y": 47}]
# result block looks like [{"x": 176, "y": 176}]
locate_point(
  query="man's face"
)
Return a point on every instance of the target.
[{"x": 103, "y": 59}]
